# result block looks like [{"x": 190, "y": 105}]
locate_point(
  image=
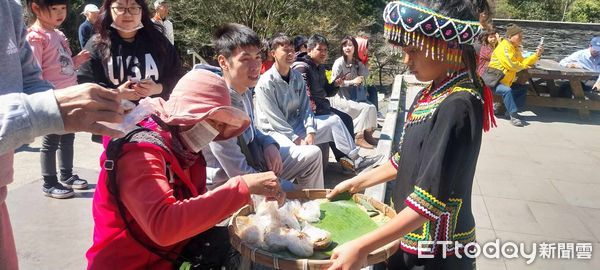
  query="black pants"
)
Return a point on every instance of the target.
[
  {"x": 566, "y": 92},
  {"x": 53, "y": 143},
  {"x": 404, "y": 261},
  {"x": 349, "y": 123},
  {"x": 372, "y": 96}
]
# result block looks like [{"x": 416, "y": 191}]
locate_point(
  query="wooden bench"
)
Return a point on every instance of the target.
[{"x": 543, "y": 79}]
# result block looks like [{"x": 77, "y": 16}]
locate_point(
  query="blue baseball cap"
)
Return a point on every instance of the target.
[{"x": 595, "y": 43}]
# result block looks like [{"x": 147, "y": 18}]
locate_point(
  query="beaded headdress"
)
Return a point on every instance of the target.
[{"x": 439, "y": 36}]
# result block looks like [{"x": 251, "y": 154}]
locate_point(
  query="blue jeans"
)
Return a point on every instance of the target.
[{"x": 514, "y": 97}]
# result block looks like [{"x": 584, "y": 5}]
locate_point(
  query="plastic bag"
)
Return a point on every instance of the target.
[{"x": 135, "y": 115}]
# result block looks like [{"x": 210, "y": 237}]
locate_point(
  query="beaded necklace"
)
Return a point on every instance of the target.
[{"x": 430, "y": 99}]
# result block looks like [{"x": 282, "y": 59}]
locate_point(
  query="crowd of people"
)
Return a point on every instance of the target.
[
  {"x": 503, "y": 64},
  {"x": 202, "y": 147},
  {"x": 252, "y": 125}
]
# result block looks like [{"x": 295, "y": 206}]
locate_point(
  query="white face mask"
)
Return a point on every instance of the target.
[
  {"x": 138, "y": 27},
  {"x": 199, "y": 136}
]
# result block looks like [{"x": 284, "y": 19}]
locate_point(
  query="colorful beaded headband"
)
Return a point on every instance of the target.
[{"x": 439, "y": 35}]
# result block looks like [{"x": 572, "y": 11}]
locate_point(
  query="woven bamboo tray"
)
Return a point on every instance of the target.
[{"x": 273, "y": 260}]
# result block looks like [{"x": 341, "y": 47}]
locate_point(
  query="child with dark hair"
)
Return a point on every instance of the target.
[
  {"x": 51, "y": 50},
  {"x": 435, "y": 163},
  {"x": 131, "y": 53},
  {"x": 238, "y": 50}
]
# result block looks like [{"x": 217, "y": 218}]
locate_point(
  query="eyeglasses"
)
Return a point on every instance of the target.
[{"x": 131, "y": 10}]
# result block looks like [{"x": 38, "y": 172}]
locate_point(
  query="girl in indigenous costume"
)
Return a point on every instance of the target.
[{"x": 435, "y": 164}]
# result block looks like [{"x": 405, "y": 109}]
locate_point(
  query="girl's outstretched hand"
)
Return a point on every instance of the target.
[{"x": 348, "y": 257}]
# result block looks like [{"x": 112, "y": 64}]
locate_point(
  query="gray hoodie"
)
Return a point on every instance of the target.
[
  {"x": 283, "y": 107},
  {"x": 224, "y": 159},
  {"x": 27, "y": 107}
]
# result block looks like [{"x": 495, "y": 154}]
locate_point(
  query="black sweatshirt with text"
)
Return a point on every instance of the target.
[{"x": 134, "y": 61}]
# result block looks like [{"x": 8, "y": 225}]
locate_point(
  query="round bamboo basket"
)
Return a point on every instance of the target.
[{"x": 269, "y": 259}]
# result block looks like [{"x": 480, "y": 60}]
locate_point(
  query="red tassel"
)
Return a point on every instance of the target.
[{"x": 489, "y": 120}]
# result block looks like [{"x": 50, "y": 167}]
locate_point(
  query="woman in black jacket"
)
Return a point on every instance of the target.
[{"x": 130, "y": 53}]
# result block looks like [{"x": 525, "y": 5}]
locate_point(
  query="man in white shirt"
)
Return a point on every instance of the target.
[{"x": 161, "y": 11}]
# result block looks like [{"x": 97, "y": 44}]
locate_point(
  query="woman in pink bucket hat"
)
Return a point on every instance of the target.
[{"x": 151, "y": 208}]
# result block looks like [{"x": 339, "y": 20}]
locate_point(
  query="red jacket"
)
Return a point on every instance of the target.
[{"x": 161, "y": 214}]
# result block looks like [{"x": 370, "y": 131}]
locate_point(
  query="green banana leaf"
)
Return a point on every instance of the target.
[{"x": 345, "y": 220}]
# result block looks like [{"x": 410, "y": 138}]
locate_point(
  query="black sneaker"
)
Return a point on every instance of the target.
[
  {"x": 75, "y": 182},
  {"x": 58, "y": 191}
]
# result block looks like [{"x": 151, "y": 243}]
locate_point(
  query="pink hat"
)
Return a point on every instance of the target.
[{"x": 199, "y": 95}]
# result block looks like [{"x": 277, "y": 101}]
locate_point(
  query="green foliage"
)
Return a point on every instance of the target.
[
  {"x": 345, "y": 221},
  {"x": 550, "y": 10},
  {"x": 584, "y": 11},
  {"x": 195, "y": 20}
]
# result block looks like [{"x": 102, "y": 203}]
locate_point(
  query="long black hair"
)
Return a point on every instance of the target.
[
  {"x": 103, "y": 28},
  {"x": 466, "y": 10},
  {"x": 345, "y": 41}
]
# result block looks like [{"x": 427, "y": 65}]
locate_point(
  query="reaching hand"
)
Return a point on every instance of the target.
[
  {"x": 596, "y": 86},
  {"x": 147, "y": 88},
  {"x": 273, "y": 159},
  {"x": 345, "y": 186},
  {"x": 265, "y": 184},
  {"x": 573, "y": 65},
  {"x": 81, "y": 58},
  {"x": 83, "y": 106},
  {"x": 126, "y": 91},
  {"x": 348, "y": 257}
]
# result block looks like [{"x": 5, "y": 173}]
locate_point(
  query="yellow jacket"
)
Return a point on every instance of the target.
[{"x": 510, "y": 60}]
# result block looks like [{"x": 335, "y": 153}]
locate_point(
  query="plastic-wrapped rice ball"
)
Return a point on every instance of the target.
[
  {"x": 268, "y": 215},
  {"x": 287, "y": 218},
  {"x": 275, "y": 239},
  {"x": 292, "y": 206},
  {"x": 310, "y": 211},
  {"x": 299, "y": 244},
  {"x": 319, "y": 237},
  {"x": 252, "y": 235}
]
